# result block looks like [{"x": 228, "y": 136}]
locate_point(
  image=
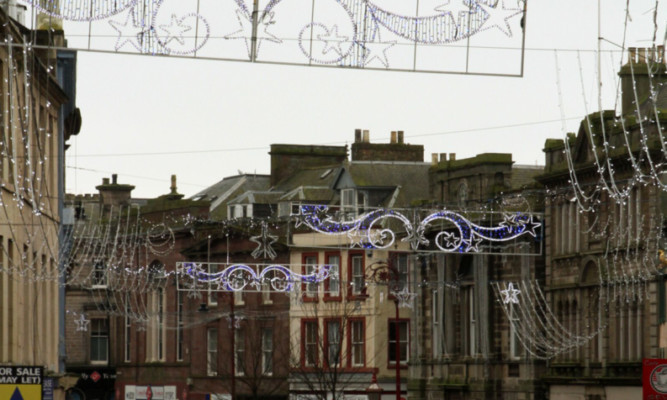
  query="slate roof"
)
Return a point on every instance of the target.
[
  {"x": 256, "y": 197},
  {"x": 410, "y": 178},
  {"x": 225, "y": 190}
]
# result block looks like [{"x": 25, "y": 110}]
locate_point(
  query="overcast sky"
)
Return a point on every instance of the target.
[{"x": 147, "y": 117}]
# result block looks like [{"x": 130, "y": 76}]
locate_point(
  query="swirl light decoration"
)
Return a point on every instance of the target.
[
  {"x": 194, "y": 277},
  {"x": 369, "y": 230}
]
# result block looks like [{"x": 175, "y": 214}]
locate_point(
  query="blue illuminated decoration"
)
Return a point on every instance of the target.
[
  {"x": 462, "y": 235},
  {"x": 239, "y": 277}
]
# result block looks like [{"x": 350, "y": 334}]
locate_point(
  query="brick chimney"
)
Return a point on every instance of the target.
[
  {"x": 641, "y": 63},
  {"x": 395, "y": 150},
  {"x": 114, "y": 194}
]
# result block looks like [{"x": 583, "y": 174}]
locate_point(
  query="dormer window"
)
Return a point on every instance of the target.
[
  {"x": 239, "y": 211},
  {"x": 353, "y": 202}
]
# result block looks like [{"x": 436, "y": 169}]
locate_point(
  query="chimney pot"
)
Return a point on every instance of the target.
[
  {"x": 452, "y": 156},
  {"x": 632, "y": 53},
  {"x": 105, "y": 181},
  {"x": 434, "y": 158},
  {"x": 114, "y": 178},
  {"x": 393, "y": 136},
  {"x": 357, "y": 135},
  {"x": 400, "y": 137},
  {"x": 367, "y": 138}
]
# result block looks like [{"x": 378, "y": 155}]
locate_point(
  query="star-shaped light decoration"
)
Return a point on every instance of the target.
[
  {"x": 359, "y": 239},
  {"x": 498, "y": 16},
  {"x": 472, "y": 245},
  {"x": 245, "y": 29},
  {"x": 404, "y": 297},
  {"x": 332, "y": 41},
  {"x": 415, "y": 236},
  {"x": 235, "y": 320},
  {"x": 531, "y": 226},
  {"x": 129, "y": 32},
  {"x": 175, "y": 30},
  {"x": 510, "y": 294},
  {"x": 82, "y": 323},
  {"x": 450, "y": 239},
  {"x": 265, "y": 243},
  {"x": 376, "y": 50}
]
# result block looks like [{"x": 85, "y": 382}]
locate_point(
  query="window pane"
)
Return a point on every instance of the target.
[
  {"x": 310, "y": 343},
  {"x": 311, "y": 264},
  {"x": 357, "y": 340},
  {"x": 99, "y": 339},
  {"x": 334, "y": 279},
  {"x": 357, "y": 274},
  {"x": 333, "y": 341},
  {"x": 403, "y": 341},
  {"x": 212, "y": 353},
  {"x": 267, "y": 351}
]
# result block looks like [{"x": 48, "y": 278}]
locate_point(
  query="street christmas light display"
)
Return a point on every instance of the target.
[{"x": 351, "y": 33}]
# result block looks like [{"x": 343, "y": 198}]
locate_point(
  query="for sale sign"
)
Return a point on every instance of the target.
[
  {"x": 21, "y": 383},
  {"x": 654, "y": 379}
]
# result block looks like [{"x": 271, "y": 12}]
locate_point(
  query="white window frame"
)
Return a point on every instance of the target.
[
  {"x": 212, "y": 295},
  {"x": 348, "y": 200},
  {"x": 266, "y": 289},
  {"x": 267, "y": 351},
  {"x": 357, "y": 272},
  {"x": 310, "y": 344},
  {"x": 334, "y": 275},
  {"x": 403, "y": 268},
  {"x": 239, "y": 352},
  {"x": 312, "y": 288},
  {"x": 99, "y": 277},
  {"x": 102, "y": 336},
  {"x": 212, "y": 352},
  {"x": 357, "y": 343},
  {"x": 334, "y": 342}
]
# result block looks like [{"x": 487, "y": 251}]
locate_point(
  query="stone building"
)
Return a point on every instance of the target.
[
  {"x": 465, "y": 346},
  {"x": 37, "y": 93},
  {"x": 605, "y": 222}
]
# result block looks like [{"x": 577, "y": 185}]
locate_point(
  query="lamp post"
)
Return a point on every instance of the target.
[
  {"x": 385, "y": 273},
  {"x": 374, "y": 391}
]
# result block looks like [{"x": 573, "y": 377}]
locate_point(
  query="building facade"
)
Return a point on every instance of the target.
[
  {"x": 605, "y": 223},
  {"x": 32, "y": 145}
]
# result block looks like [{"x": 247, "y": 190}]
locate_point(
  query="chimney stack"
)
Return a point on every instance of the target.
[
  {"x": 452, "y": 156},
  {"x": 443, "y": 157},
  {"x": 114, "y": 179},
  {"x": 366, "y": 136},
  {"x": 173, "y": 184},
  {"x": 434, "y": 158},
  {"x": 400, "y": 137},
  {"x": 357, "y": 136},
  {"x": 393, "y": 137}
]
